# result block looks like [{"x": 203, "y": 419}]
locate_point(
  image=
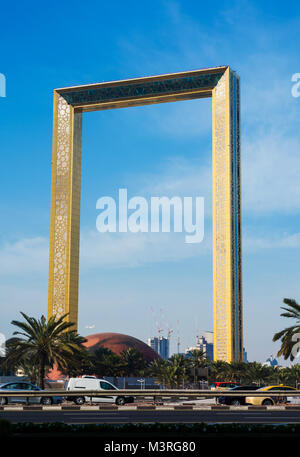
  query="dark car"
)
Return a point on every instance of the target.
[
  {"x": 235, "y": 400},
  {"x": 20, "y": 387}
]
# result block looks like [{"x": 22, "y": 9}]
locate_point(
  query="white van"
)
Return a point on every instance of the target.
[{"x": 93, "y": 383}]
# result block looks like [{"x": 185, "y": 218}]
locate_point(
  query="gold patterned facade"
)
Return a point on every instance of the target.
[{"x": 220, "y": 83}]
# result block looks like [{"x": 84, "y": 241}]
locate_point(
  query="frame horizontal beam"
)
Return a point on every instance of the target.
[{"x": 142, "y": 91}]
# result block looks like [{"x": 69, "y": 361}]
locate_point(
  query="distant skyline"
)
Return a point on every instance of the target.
[{"x": 151, "y": 151}]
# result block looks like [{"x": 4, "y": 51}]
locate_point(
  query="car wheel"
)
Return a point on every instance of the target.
[
  {"x": 3, "y": 401},
  {"x": 46, "y": 401},
  {"x": 236, "y": 402},
  {"x": 267, "y": 402},
  {"x": 120, "y": 401},
  {"x": 79, "y": 400}
]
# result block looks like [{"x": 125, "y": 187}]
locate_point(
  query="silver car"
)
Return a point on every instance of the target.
[{"x": 21, "y": 387}]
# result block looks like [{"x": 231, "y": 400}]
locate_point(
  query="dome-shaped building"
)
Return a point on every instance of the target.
[{"x": 117, "y": 342}]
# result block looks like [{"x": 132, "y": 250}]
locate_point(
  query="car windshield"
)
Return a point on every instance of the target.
[
  {"x": 242, "y": 388},
  {"x": 107, "y": 386},
  {"x": 15, "y": 386},
  {"x": 31, "y": 387}
]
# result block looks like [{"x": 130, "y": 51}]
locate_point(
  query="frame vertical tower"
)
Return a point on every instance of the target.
[
  {"x": 227, "y": 268},
  {"x": 65, "y": 211},
  {"x": 220, "y": 83}
]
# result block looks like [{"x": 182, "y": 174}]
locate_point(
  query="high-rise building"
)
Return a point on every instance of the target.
[
  {"x": 160, "y": 345},
  {"x": 204, "y": 344},
  {"x": 153, "y": 343},
  {"x": 163, "y": 347},
  {"x": 271, "y": 362},
  {"x": 209, "y": 337}
]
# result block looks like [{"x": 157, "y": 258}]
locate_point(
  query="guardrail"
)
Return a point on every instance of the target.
[{"x": 150, "y": 393}]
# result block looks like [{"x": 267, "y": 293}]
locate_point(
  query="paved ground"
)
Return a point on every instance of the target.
[{"x": 160, "y": 415}]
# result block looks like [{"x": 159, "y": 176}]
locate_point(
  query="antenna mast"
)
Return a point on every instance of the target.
[{"x": 178, "y": 338}]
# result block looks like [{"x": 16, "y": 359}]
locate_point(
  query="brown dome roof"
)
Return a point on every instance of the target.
[{"x": 117, "y": 342}]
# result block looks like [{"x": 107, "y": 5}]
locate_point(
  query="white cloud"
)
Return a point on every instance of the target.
[
  {"x": 24, "y": 256},
  {"x": 29, "y": 257},
  {"x": 184, "y": 119},
  {"x": 271, "y": 170},
  {"x": 132, "y": 250},
  {"x": 270, "y": 176},
  {"x": 180, "y": 176},
  {"x": 285, "y": 241},
  {"x": 270, "y": 115}
]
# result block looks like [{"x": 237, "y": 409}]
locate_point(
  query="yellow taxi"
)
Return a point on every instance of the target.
[{"x": 270, "y": 398}]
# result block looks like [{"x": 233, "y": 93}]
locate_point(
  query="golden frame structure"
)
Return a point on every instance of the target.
[{"x": 220, "y": 83}]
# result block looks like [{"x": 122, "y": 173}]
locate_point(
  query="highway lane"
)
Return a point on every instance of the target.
[{"x": 114, "y": 417}]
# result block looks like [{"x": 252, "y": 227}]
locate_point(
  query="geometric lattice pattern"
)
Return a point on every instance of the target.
[
  {"x": 63, "y": 159},
  {"x": 220, "y": 83},
  {"x": 65, "y": 211},
  {"x": 220, "y": 235},
  {"x": 227, "y": 220}
]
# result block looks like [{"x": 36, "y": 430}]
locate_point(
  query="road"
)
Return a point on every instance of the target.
[{"x": 114, "y": 417}]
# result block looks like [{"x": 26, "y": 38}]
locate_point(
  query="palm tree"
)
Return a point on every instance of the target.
[
  {"x": 177, "y": 370},
  {"x": 220, "y": 371},
  {"x": 132, "y": 361},
  {"x": 257, "y": 373},
  {"x": 81, "y": 361},
  {"x": 106, "y": 363},
  {"x": 197, "y": 358},
  {"x": 195, "y": 361},
  {"x": 30, "y": 370},
  {"x": 237, "y": 372},
  {"x": 291, "y": 375},
  {"x": 173, "y": 374},
  {"x": 45, "y": 343},
  {"x": 157, "y": 369},
  {"x": 286, "y": 335}
]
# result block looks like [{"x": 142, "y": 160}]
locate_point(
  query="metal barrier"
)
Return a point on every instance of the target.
[{"x": 150, "y": 393}]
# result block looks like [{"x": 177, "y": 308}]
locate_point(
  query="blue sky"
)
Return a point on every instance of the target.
[{"x": 153, "y": 150}]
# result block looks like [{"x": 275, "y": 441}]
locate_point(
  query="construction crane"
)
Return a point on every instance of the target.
[
  {"x": 197, "y": 332},
  {"x": 169, "y": 330},
  {"x": 158, "y": 327},
  {"x": 178, "y": 338}
]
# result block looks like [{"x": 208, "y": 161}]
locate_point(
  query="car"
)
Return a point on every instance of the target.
[
  {"x": 235, "y": 400},
  {"x": 270, "y": 398},
  {"x": 93, "y": 383},
  {"x": 220, "y": 385},
  {"x": 10, "y": 387}
]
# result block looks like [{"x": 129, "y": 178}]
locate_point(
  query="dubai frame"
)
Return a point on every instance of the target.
[{"x": 220, "y": 83}]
